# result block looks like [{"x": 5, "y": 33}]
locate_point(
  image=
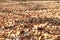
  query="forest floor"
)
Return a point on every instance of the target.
[{"x": 30, "y": 20}]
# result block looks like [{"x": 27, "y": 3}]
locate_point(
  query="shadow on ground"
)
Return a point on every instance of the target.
[{"x": 52, "y": 21}]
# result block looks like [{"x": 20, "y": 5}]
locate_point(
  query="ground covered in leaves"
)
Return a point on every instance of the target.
[{"x": 30, "y": 20}]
